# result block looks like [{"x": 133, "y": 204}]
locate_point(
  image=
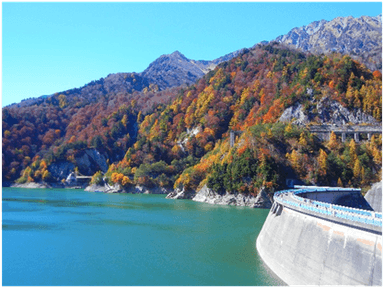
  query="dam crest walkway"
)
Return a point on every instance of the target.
[{"x": 362, "y": 218}]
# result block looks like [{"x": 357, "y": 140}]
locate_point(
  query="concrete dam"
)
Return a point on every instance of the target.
[{"x": 312, "y": 236}]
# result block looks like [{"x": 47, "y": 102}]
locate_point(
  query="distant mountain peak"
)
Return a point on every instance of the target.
[
  {"x": 175, "y": 69},
  {"x": 359, "y": 37},
  {"x": 177, "y": 53}
]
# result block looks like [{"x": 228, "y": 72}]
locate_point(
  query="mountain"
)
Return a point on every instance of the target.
[
  {"x": 186, "y": 145},
  {"x": 361, "y": 38},
  {"x": 175, "y": 69},
  {"x": 156, "y": 135},
  {"x": 167, "y": 71}
]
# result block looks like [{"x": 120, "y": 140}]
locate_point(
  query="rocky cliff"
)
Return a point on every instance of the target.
[
  {"x": 326, "y": 111},
  {"x": 359, "y": 37},
  {"x": 207, "y": 195},
  {"x": 138, "y": 189},
  {"x": 374, "y": 196},
  {"x": 88, "y": 164}
]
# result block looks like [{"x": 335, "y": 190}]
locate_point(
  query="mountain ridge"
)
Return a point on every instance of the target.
[
  {"x": 167, "y": 71},
  {"x": 175, "y": 69},
  {"x": 361, "y": 38}
]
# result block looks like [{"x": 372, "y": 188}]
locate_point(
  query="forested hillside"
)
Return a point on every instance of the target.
[
  {"x": 186, "y": 144},
  {"x": 60, "y": 128},
  {"x": 180, "y": 137}
]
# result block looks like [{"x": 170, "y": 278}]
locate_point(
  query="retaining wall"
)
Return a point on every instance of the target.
[{"x": 308, "y": 247}]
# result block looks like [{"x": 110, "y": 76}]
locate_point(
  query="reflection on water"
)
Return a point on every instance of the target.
[{"x": 71, "y": 237}]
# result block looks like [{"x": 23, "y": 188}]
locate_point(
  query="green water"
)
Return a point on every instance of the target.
[{"x": 71, "y": 237}]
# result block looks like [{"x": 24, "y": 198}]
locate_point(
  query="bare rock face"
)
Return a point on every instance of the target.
[
  {"x": 294, "y": 112},
  {"x": 61, "y": 170},
  {"x": 106, "y": 188},
  {"x": 374, "y": 197},
  {"x": 91, "y": 162},
  {"x": 181, "y": 194},
  {"x": 147, "y": 190},
  {"x": 71, "y": 179},
  {"x": 327, "y": 112},
  {"x": 332, "y": 112},
  {"x": 263, "y": 199},
  {"x": 359, "y": 37},
  {"x": 207, "y": 195},
  {"x": 96, "y": 188},
  {"x": 31, "y": 185}
]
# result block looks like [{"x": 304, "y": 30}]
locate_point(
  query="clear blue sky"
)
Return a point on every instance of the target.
[{"x": 52, "y": 47}]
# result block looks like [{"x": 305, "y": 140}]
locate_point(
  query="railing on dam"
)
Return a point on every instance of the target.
[{"x": 292, "y": 198}]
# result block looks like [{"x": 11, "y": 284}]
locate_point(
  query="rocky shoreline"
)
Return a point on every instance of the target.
[
  {"x": 31, "y": 185},
  {"x": 106, "y": 188},
  {"x": 206, "y": 195}
]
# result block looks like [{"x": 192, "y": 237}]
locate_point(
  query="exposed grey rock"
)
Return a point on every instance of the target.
[
  {"x": 327, "y": 112},
  {"x": 98, "y": 158},
  {"x": 71, "y": 179},
  {"x": 332, "y": 112},
  {"x": 61, "y": 170},
  {"x": 91, "y": 162},
  {"x": 31, "y": 185},
  {"x": 96, "y": 188},
  {"x": 84, "y": 164},
  {"x": 294, "y": 112},
  {"x": 181, "y": 194},
  {"x": 374, "y": 197},
  {"x": 263, "y": 200},
  {"x": 146, "y": 190},
  {"x": 134, "y": 190},
  {"x": 359, "y": 37},
  {"x": 116, "y": 188},
  {"x": 207, "y": 195}
]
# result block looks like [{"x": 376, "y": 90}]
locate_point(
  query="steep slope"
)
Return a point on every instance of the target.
[
  {"x": 92, "y": 115},
  {"x": 186, "y": 144},
  {"x": 175, "y": 69},
  {"x": 359, "y": 37},
  {"x": 167, "y": 71}
]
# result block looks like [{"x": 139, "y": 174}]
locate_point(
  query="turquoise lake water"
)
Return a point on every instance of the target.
[{"x": 71, "y": 237}]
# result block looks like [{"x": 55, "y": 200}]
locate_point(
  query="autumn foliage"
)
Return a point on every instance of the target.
[{"x": 185, "y": 142}]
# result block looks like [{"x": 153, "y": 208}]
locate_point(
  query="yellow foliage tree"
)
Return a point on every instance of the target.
[
  {"x": 46, "y": 175},
  {"x": 322, "y": 160},
  {"x": 339, "y": 183},
  {"x": 332, "y": 143},
  {"x": 288, "y": 128},
  {"x": 352, "y": 151},
  {"x": 62, "y": 101},
  {"x": 126, "y": 181},
  {"x": 302, "y": 140},
  {"x": 357, "y": 168}
]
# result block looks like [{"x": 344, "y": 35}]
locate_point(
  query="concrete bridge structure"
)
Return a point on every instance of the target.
[
  {"x": 311, "y": 238},
  {"x": 232, "y": 134},
  {"x": 324, "y": 131}
]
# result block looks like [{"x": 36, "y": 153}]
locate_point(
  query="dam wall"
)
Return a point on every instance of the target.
[{"x": 309, "y": 242}]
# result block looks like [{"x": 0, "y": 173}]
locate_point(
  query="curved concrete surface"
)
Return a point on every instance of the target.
[
  {"x": 374, "y": 197},
  {"x": 305, "y": 246}
]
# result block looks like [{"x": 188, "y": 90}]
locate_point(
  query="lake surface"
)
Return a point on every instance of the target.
[{"x": 71, "y": 237}]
